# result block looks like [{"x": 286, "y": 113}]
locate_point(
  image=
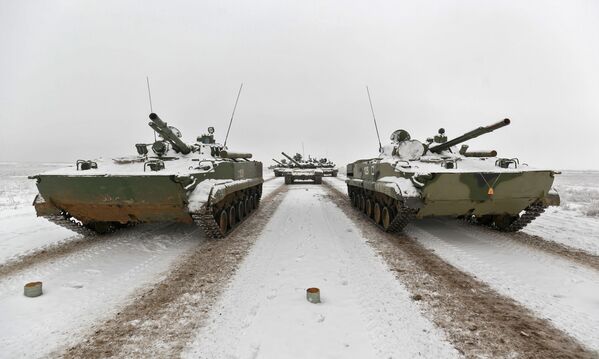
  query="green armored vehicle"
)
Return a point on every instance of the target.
[
  {"x": 411, "y": 179},
  {"x": 302, "y": 171},
  {"x": 166, "y": 181}
]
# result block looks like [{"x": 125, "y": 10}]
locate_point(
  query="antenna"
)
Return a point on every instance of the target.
[
  {"x": 150, "y": 97},
  {"x": 232, "y": 115},
  {"x": 374, "y": 118}
]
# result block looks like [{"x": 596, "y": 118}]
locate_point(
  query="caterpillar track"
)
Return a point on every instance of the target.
[
  {"x": 529, "y": 215},
  {"x": 236, "y": 208},
  {"x": 510, "y": 224},
  {"x": 69, "y": 222},
  {"x": 387, "y": 213}
]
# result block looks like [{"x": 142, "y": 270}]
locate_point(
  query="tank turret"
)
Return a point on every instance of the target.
[
  {"x": 467, "y": 136},
  {"x": 168, "y": 134},
  {"x": 291, "y": 159}
]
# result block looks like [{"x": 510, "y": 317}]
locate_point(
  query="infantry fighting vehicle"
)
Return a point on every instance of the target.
[
  {"x": 166, "y": 181},
  {"x": 279, "y": 168},
  {"x": 302, "y": 171},
  {"x": 411, "y": 179}
]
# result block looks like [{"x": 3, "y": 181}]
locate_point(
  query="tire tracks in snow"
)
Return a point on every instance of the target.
[
  {"x": 478, "y": 321},
  {"x": 68, "y": 246},
  {"x": 572, "y": 254},
  {"x": 160, "y": 321}
]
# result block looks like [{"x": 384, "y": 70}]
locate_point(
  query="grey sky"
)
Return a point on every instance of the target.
[{"x": 72, "y": 75}]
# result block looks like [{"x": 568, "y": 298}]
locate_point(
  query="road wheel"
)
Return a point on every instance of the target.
[
  {"x": 223, "y": 221},
  {"x": 368, "y": 209},
  {"x": 484, "y": 220},
  {"x": 248, "y": 205},
  {"x": 353, "y": 199},
  {"x": 503, "y": 222},
  {"x": 386, "y": 218},
  {"x": 377, "y": 213},
  {"x": 232, "y": 216},
  {"x": 360, "y": 203},
  {"x": 102, "y": 227},
  {"x": 240, "y": 210},
  {"x": 256, "y": 201}
]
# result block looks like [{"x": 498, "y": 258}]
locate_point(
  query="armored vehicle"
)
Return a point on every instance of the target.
[
  {"x": 279, "y": 168},
  {"x": 328, "y": 168},
  {"x": 411, "y": 179},
  {"x": 302, "y": 171},
  {"x": 166, "y": 181}
]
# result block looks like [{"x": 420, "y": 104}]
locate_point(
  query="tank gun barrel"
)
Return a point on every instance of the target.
[
  {"x": 469, "y": 135},
  {"x": 279, "y": 163},
  {"x": 291, "y": 159},
  {"x": 165, "y": 132}
]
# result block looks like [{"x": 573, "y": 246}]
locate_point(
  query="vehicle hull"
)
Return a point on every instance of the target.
[{"x": 135, "y": 198}]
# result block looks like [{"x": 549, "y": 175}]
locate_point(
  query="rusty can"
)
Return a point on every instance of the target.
[
  {"x": 313, "y": 295},
  {"x": 33, "y": 289}
]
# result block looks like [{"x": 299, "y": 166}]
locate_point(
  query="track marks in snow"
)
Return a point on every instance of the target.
[
  {"x": 364, "y": 312},
  {"x": 83, "y": 287},
  {"x": 160, "y": 321},
  {"x": 569, "y": 228},
  {"x": 551, "y": 247},
  {"x": 479, "y": 321},
  {"x": 553, "y": 288}
]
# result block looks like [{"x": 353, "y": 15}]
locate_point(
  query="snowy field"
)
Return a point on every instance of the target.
[{"x": 366, "y": 311}]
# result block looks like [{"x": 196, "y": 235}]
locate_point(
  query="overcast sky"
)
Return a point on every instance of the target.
[{"x": 72, "y": 75}]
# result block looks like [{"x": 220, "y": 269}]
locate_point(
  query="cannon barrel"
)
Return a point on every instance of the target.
[
  {"x": 469, "y": 135},
  {"x": 234, "y": 155},
  {"x": 162, "y": 128},
  {"x": 279, "y": 163},
  {"x": 291, "y": 159}
]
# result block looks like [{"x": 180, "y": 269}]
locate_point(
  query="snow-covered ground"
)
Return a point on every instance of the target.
[
  {"x": 552, "y": 287},
  {"x": 85, "y": 287},
  {"x": 365, "y": 312}
]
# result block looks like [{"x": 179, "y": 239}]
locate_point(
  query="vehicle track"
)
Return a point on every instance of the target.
[
  {"x": 67, "y": 247},
  {"x": 558, "y": 249},
  {"x": 478, "y": 321},
  {"x": 160, "y": 321}
]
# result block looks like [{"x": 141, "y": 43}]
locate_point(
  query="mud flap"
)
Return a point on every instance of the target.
[{"x": 552, "y": 198}]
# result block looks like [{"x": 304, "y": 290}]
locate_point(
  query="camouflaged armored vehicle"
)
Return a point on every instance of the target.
[
  {"x": 166, "y": 181},
  {"x": 411, "y": 179},
  {"x": 302, "y": 171}
]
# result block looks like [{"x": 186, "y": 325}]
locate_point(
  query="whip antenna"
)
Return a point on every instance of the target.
[
  {"x": 150, "y": 97},
  {"x": 374, "y": 118},
  {"x": 232, "y": 115}
]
